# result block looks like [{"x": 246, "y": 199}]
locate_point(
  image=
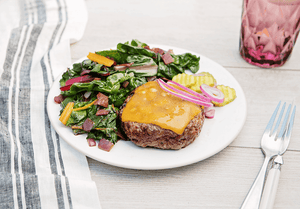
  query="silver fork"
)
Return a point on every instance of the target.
[
  {"x": 270, "y": 188},
  {"x": 271, "y": 146}
]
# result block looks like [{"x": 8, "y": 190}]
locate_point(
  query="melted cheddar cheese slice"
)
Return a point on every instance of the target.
[{"x": 152, "y": 105}]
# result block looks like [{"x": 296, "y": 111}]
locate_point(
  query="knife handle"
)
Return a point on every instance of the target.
[{"x": 270, "y": 189}]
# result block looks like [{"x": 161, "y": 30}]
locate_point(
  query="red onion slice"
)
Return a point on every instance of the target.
[
  {"x": 187, "y": 97},
  {"x": 213, "y": 93},
  {"x": 209, "y": 112},
  {"x": 201, "y": 96},
  {"x": 181, "y": 92}
]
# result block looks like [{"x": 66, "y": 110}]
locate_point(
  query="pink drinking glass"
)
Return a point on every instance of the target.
[{"x": 269, "y": 31}]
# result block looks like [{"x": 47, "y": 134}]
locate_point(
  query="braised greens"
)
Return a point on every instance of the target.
[
  {"x": 136, "y": 52},
  {"x": 115, "y": 84}
]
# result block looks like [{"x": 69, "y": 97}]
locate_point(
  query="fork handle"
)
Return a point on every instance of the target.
[
  {"x": 270, "y": 189},
  {"x": 253, "y": 197}
]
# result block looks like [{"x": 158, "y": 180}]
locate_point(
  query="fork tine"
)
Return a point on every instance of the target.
[
  {"x": 291, "y": 123},
  {"x": 275, "y": 130},
  {"x": 272, "y": 119},
  {"x": 284, "y": 123},
  {"x": 292, "y": 114},
  {"x": 288, "y": 132}
]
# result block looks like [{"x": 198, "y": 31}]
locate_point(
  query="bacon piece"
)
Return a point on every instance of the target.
[
  {"x": 102, "y": 112},
  {"x": 91, "y": 142},
  {"x": 170, "y": 51},
  {"x": 125, "y": 84},
  {"x": 167, "y": 58},
  {"x": 158, "y": 50},
  {"x": 88, "y": 125},
  {"x": 59, "y": 99},
  {"x": 147, "y": 47},
  {"x": 102, "y": 100},
  {"x": 105, "y": 145}
]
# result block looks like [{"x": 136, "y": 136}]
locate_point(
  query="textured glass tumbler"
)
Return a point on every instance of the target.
[{"x": 269, "y": 31}]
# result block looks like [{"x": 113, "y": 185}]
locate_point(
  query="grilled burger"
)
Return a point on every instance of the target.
[{"x": 152, "y": 117}]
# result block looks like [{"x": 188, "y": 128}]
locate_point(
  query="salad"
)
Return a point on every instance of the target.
[{"x": 93, "y": 90}]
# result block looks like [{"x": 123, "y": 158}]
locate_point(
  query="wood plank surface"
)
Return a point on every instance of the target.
[
  {"x": 219, "y": 182},
  {"x": 210, "y": 28}
]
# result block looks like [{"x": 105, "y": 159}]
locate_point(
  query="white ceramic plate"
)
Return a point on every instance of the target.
[{"x": 216, "y": 133}]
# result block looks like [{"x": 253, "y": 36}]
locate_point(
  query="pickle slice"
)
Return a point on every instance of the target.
[
  {"x": 185, "y": 79},
  {"x": 203, "y": 78},
  {"x": 229, "y": 95},
  {"x": 195, "y": 81}
]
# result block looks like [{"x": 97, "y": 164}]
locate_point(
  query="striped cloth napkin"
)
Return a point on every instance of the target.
[{"x": 37, "y": 168}]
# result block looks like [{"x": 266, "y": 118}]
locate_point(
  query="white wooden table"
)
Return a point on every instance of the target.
[{"x": 210, "y": 28}]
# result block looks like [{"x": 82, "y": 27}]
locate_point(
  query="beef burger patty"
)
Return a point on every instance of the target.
[{"x": 151, "y": 135}]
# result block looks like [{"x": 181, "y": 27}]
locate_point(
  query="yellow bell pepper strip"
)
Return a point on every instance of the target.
[
  {"x": 76, "y": 127},
  {"x": 85, "y": 107},
  {"x": 66, "y": 113},
  {"x": 99, "y": 129},
  {"x": 100, "y": 59}
]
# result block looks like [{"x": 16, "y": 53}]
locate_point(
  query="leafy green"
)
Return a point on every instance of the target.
[
  {"x": 119, "y": 78},
  {"x": 111, "y": 86},
  {"x": 106, "y": 122},
  {"x": 88, "y": 64},
  {"x": 181, "y": 63},
  {"x": 77, "y": 117},
  {"x": 168, "y": 71},
  {"x": 118, "y": 56},
  {"x": 66, "y": 101},
  {"x": 140, "y": 60},
  {"x": 98, "y": 69},
  {"x": 137, "y": 43},
  {"x": 187, "y": 61},
  {"x": 71, "y": 73},
  {"x": 135, "y": 50},
  {"x": 76, "y": 70}
]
